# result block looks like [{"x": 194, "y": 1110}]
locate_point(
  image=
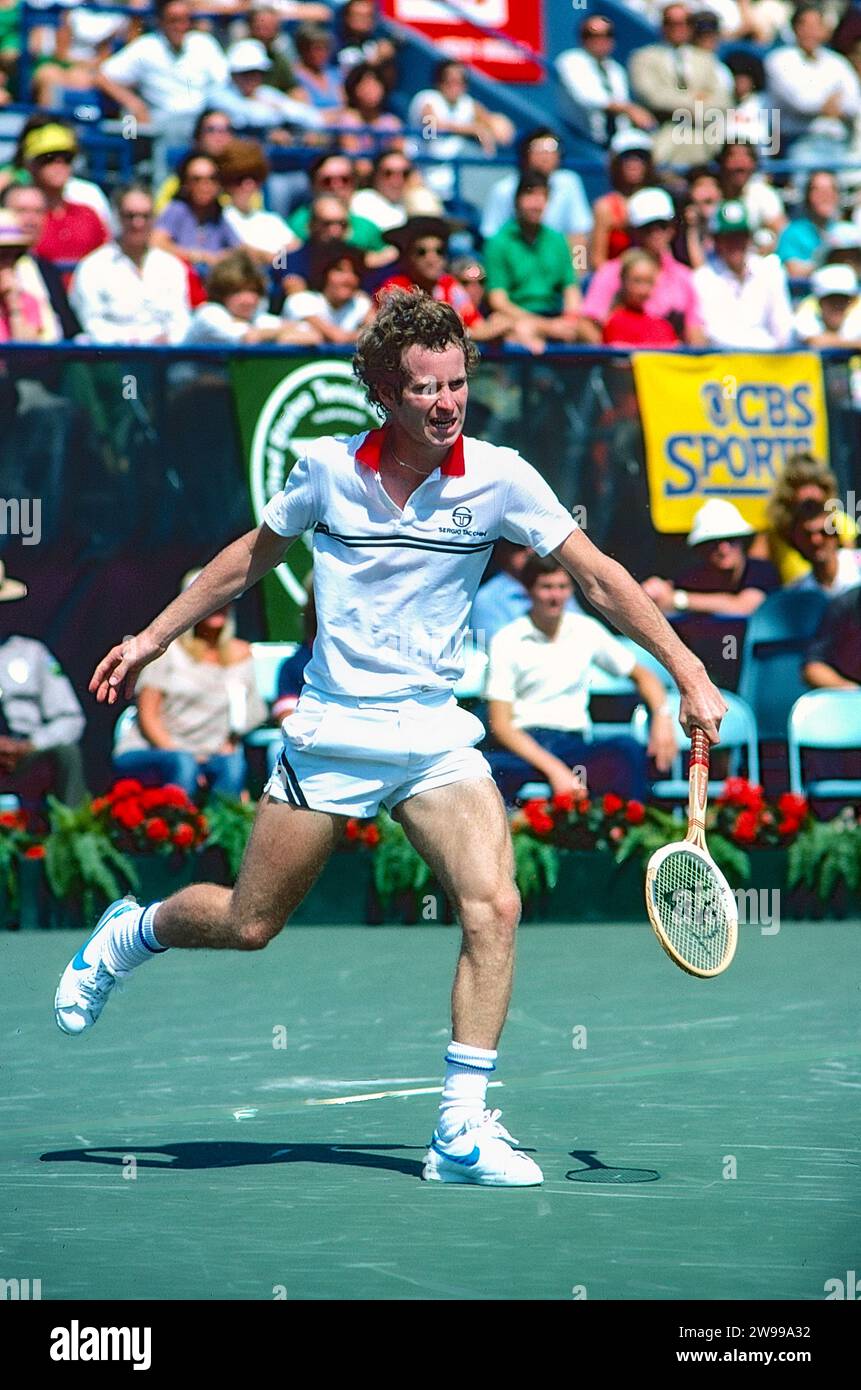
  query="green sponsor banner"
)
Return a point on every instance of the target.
[{"x": 279, "y": 404}]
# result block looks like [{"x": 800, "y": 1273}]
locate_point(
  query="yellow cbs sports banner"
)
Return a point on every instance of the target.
[{"x": 724, "y": 425}]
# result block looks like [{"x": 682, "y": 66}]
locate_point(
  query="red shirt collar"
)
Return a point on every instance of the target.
[{"x": 371, "y": 448}]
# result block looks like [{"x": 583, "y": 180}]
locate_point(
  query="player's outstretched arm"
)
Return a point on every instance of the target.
[
  {"x": 233, "y": 570},
  {"x": 615, "y": 593}
]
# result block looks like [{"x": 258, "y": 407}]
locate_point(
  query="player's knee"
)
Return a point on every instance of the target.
[
  {"x": 255, "y": 933},
  {"x": 498, "y": 912}
]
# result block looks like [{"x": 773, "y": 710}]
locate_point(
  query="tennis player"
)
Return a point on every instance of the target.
[{"x": 404, "y": 519}]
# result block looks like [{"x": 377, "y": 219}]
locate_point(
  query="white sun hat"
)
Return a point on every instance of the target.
[{"x": 718, "y": 520}]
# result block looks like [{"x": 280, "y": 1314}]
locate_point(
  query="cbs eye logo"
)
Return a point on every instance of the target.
[{"x": 461, "y": 516}]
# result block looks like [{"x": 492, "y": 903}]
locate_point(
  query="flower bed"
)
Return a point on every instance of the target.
[{"x": 575, "y": 859}]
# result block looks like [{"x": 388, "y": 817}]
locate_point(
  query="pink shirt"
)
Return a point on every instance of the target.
[
  {"x": 30, "y": 311},
  {"x": 675, "y": 293}
]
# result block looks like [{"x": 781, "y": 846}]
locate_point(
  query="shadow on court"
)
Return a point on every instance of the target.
[
  {"x": 597, "y": 1172},
  {"x": 230, "y": 1155}
]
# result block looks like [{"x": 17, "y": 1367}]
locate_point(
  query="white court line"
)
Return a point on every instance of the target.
[{"x": 383, "y": 1095}]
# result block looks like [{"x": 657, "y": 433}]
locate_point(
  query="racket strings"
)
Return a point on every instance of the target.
[{"x": 692, "y": 911}]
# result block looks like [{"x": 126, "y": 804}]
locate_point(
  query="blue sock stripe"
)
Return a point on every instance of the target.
[
  {"x": 485, "y": 1068},
  {"x": 154, "y": 950}
]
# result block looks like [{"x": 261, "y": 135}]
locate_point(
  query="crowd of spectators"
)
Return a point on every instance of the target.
[{"x": 729, "y": 255}]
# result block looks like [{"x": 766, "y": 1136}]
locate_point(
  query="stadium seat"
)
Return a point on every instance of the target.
[
  {"x": 737, "y": 732},
  {"x": 776, "y": 637},
  {"x": 824, "y": 719}
]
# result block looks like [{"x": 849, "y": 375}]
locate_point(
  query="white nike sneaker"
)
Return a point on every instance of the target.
[
  {"x": 87, "y": 982},
  {"x": 481, "y": 1153}
]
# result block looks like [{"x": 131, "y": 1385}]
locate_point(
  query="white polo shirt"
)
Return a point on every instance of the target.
[
  {"x": 394, "y": 588},
  {"x": 547, "y": 682},
  {"x": 848, "y": 575},
  {"x": 171, "y": 82}
]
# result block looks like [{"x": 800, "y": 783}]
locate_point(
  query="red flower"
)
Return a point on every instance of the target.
[
  {"x": 584, "y": 806},
  {"x": 174, "y": 796},
  {"x": 128, "y": 814},
  {"x": 152, "y": 798},
  {"x": 563, "y": 801},
  {"x": 35, "y": 852},
  {"x": 183, "y": 836},
  {"x": 100, "y": 804},
  {"x": 746, "y": 826},
  {"x": 789, "y": 826},
  {"x": 13, "y": 820},
  {"x": 635, "y": 813},
  {"x": 372, "y": 835},
  {"x": 738, "y": 791},
  {"x": 791, "y": 805},
  {"x": 541, "y": 823},
  {"x": 351, "y": 829},
  {"x": 127, "y": 786},
  {"x": 157, "y": 829},
  {"x": 612, "y": 803}
]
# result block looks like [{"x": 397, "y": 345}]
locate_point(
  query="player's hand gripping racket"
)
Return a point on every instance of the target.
[{"x": 689, "y": 902}]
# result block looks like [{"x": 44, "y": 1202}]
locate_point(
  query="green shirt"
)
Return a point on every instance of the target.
[
  {"x": 363, "y": 234},
  {"x": 533, "y": 274}
]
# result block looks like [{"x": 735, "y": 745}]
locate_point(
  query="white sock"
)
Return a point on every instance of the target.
[
  {"x": 131, "y": 940},
  {"x": 467, "y": 1072}
]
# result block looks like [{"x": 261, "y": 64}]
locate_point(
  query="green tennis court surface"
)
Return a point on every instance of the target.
[{"x": 244, "y": 1190}]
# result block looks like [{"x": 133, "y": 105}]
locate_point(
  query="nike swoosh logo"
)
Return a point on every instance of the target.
[
  {"x": 468, "y": 1160},
  {"x": 80, "y": 962}
]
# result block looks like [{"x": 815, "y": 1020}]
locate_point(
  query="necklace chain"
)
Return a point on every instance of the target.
[{"x": 421, "y": 472}]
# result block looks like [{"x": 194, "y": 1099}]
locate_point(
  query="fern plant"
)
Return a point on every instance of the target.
[
  {"x": 825, "y": 854},
  {"x": 81, "y": 863},
  {"x": 661, "y": 828},
  {"x": 398, "y": 867},
  {"x": 230, "y": 823},
  {"x": 536, "y": 865}
]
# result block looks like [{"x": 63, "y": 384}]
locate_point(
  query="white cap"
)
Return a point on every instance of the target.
[
  {"x": 650, "y": 205},
  {"x": 718, "y": 520},
  {"x": 843, "y": 236},
  {"x": 248, "y": 55},
  {"x": 630, "y": 142},
  {"x": 834, "y": 279}
]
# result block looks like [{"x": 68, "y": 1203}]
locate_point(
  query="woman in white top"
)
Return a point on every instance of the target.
[
  {"x": 244, "y": 170},
  {"x": 236, "y": 312},
  {"x": 452, "y": 122},
  {"x": 333, "y": 306},
  {"x": 194, "y": 704}
]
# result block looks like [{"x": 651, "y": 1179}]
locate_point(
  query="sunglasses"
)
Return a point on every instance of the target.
[
  {"x": 336, "y": 178},
  {"x": 201, "y": 178},
  {"x": 59, "y": 157},
  {"x": 395, "y": 172},
  {"x": 136, "y": 216},
  {"x": 431, "y": 249},
  {"x": 332, "y": 222}
]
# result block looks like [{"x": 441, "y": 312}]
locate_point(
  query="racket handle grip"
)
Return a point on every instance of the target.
[
  {"x": 698, "y": 774},
  {"x": 699, "y": 748}
]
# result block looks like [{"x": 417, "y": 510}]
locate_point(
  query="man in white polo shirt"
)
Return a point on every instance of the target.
[
  {"x": 744, "y": 296},
  {"x": 403, "y": 519},
  {"x": 163, "y": 78},
  {"x": 537, "y": 690}
]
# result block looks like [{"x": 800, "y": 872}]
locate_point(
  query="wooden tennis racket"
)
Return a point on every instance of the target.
[{"x": 690, "y": 904}]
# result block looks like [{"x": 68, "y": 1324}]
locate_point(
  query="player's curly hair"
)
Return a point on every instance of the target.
[
  {"x": 801, "y": 470},
  {"x": 407, "y": 318}
]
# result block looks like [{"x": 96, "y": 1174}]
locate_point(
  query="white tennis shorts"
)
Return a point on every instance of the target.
[{"x": 350, "y": 756}]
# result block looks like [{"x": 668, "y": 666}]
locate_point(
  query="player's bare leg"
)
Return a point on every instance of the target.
[
  {"x": 285, "y": 855},
  {"x": 462, "y": 832}
]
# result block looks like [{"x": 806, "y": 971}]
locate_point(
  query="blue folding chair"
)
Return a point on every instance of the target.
[
  {"x": 824, "y": 719},
  {"x": 737, "y": 732},
  {"x": 776, "y": 637}
]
